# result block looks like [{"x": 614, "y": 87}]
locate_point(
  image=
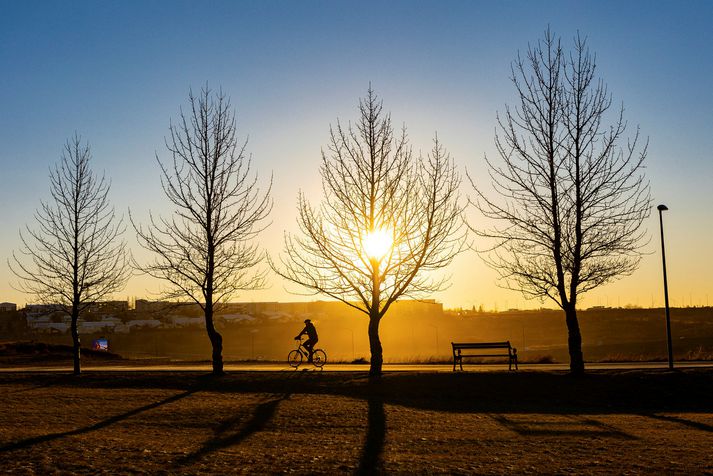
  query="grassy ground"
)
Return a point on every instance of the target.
[{"x": 527, "y": 422}]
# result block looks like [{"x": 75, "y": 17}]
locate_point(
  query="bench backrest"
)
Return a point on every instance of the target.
[{"x": 481, "y": 345}]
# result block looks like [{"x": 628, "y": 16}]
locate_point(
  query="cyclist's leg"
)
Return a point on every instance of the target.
[
  {"x": 309, "y": 345},
  {"x": 311, "y": 349}
]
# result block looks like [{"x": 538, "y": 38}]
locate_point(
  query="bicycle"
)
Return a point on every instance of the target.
[{"x": 295, "y": 357}]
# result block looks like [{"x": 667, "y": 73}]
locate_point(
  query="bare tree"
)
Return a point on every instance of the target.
[
  {"x": 572, "y": 198},
  {"x": 74, "y": 258},
  {"x": 205, "y": 249},
  {"x": 385, "y": 222}
]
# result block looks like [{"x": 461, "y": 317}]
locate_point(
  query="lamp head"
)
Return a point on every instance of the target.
[{"x": 662, "y": 207}]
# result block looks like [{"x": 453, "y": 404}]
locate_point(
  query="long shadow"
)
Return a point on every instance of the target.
[
  {"x": 598, "y": 392},
  {"x": 682, "y": 421},
  {"x": 48, "y": 383},
  {"x": 28, "y": 442},
  {"x": 592, "y": 428},
  {"x": 261, "y": 416},
  {"x": 607, "y": 429},
  {"x": 371, "y": 461}
]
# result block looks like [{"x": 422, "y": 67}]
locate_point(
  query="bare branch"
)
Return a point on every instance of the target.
[
  {"x": 572, "y": 199},
  {"x": 74, "y": 257},
  {"x": 205, "y": 251},
  {"x": 372, "y": 183}
]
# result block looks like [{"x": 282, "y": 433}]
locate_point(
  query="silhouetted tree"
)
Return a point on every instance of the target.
[
  {"x": 385, "y": 222},
  {"x": 205, "y": 249},
  {"x": 572, "y": 199},
  {"x": 74, "y": 258}
]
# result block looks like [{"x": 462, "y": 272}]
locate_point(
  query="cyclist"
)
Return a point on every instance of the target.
[{"x": 312, "y": 338}]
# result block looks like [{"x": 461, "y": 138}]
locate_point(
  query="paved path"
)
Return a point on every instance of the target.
[{"x": 272, "y": 367}]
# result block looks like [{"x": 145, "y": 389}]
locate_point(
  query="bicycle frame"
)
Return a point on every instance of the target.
[
  {"x": 302, "y": 349},
  {"x": 300, "y": 346},
  {"x": 304, "y": 354}
]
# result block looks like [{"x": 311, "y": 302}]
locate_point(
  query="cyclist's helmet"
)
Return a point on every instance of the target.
[{"x": 307, "y": 320}]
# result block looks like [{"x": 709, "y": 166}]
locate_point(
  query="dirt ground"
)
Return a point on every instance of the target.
[{"x": 623, "y": 422}]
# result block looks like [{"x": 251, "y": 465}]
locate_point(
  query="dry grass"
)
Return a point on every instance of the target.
[
  {"x": 304, "y": 422},
  {"x": 700, "y": 354}
]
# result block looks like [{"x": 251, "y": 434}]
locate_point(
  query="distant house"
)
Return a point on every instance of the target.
[
  {"x": 183, "y": 321},
  {"x": 8, "y": 307},
  {"x": 98, "y": 326},
  {"x": 50, "y": 327},
  {"x": 36, "y": 321},
  {"x": 235, "y": 318},
  {"x": 103, "y": 308},
  {"x": 42, "y": 309},
  {"x": 278, "y": 316},
  {"x": 143, "y": 324}
]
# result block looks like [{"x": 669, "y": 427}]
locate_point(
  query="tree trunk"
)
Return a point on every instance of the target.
[
  {"x": 76, "y": 345},
  {"x": 216, "y": 341},
  {"x": 576, "y": 359},
  {"x": 377, "y": 358}
]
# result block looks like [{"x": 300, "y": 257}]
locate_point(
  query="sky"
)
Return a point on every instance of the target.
[{"x": 117, "y": 72}]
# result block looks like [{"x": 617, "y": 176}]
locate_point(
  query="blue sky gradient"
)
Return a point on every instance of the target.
[{"x": 117, "y": 72}]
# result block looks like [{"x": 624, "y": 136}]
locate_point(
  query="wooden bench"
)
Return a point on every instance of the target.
[{"x": 459, "y": 347}]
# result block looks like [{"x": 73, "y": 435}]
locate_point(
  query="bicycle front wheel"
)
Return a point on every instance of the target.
[
  {"x": 294, "y": 358},
  {"x": 319, "y": 358}
]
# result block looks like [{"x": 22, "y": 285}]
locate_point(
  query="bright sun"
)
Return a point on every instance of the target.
[{"x": 377, "y": 243}]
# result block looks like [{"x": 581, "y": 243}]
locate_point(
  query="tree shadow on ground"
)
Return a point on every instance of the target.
[
  {"x": 643, "y": 393},
  {"x": 29, "y": 442},
  {"x": 57, "y": 380},
  {"x": 575, "y": 426},
  {"x": 597, "y": 392},
  {"x": 371, "y": 461},
  {"x": 224, "y": 437},
  {"x": 682, "y": 421}
]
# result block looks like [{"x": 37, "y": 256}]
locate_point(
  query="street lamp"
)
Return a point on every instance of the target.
[{"x": 661, "y": 209}]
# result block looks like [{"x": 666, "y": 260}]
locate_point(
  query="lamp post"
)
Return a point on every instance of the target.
[{"x": 661, "y": 209}]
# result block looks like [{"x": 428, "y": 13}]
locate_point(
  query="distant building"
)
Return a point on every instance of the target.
[
  {"x": 107, "y": 307},
  {"x": 185, "y": 321},
  {"x": 98, "y": 326},
  {"x": 233, "y": 318},
  {"x": 40, "y": 309},
  {"x": 11, "y": 321},
  {"x": 160, "y": 308},
  {"x": 8, "y": 307},
  {"x": 250, "y": 308},
  {"x": 51, "y": 327},
  {"x": 144, "y": 306}
]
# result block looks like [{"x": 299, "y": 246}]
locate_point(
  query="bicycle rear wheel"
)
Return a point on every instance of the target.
[
  {"x": 319, "y": 358},
  {"x": 294, "y": 358}
]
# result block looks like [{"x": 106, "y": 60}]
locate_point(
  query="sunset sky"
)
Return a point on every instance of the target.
[{"x": 117, "y": 72}]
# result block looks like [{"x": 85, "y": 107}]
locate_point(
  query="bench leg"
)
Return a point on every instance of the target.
[
  {"x": 513, "y": 360},
  {"x": 457, "y": 360}
]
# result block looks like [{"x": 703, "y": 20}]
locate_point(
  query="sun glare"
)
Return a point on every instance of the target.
[{"x": 377, "y": 243}]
